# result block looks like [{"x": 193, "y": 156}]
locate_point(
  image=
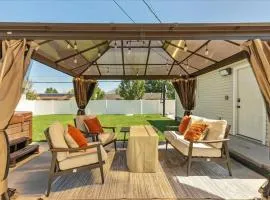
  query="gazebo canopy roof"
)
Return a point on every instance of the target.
[{"x": 136, "y": 51}]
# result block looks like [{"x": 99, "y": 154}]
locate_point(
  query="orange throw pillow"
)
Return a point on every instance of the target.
[
  {"x": 77, "y": 135},
  {"x": 197, "y": 131},
  {"x": 93, "y": 125},
  {"x": 184, "y": 124}
]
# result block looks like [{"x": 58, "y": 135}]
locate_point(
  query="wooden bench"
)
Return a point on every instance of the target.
[{"x": 19, "y": 148}]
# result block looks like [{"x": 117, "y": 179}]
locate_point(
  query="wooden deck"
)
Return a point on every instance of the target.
[{"x": 207, "y": 180}]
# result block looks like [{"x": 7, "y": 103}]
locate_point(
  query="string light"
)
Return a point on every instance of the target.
[
  {"x": 129, "y": 50},
  {"x": 99, "y": 54},
  {"x": 68, "y": 46},
  {"x": 187, "y": 65},
  {"x": 75, "y": 60},
  {"x": 75, "y": 45},
  {"x": 206, "y": 51},
  {"x": 185, "y": 47},
  {"x": 115, "y": 45}
]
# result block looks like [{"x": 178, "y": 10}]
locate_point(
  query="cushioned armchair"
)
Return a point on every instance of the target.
[
  {"x": 215, "y": 145},
  {"x": 105, "y": 138},
  {"x": 69, "y": 160}
]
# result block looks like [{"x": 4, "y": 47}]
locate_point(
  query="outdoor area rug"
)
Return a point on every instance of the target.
[{"x": 207, "y": 180}]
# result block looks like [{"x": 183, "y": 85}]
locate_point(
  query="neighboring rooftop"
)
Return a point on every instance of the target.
[{"x": 58, "y": 96}]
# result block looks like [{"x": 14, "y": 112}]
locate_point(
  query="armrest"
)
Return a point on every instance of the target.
[
  {"x": 211, "y": 141},
  {"x": 110, "y": 127},
  {"x": 89, "y": 146},
  {"x": 169, "y": 128}
]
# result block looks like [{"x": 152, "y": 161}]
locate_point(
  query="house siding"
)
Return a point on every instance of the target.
[{"x": 212, "y": 88}]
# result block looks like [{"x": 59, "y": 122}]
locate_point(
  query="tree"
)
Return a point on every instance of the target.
[
  {"x": 51, "y": 90},
  {"x": 131, "y": 90},
  {"x": 71, "y": 91},
  {"x": 157, "y": 86},
  {"x": 30, "y": 92},
  {"x": 98, "y": 94}
]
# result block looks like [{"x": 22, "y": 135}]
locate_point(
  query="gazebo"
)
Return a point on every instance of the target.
[{"x": 91, "y": 52}]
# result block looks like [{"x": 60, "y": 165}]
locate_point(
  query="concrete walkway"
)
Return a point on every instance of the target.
[{"x": 252, "y": 154}]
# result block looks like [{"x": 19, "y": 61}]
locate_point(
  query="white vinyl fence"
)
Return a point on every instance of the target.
[{"x": 46, "y": 107}]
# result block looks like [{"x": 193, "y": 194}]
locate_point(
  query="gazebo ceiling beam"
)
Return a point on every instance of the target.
[
  {"x": 147, "y": 58},
  {"x": 110, "y": 31},
  {"x": 199, "y": 48},
  {"x": 133, "y": 64},
  {"x": 81, "y": 52},
  {"x": 171, "y": 68},
  {"x": 182, "y": 68},
  {"x": 77, "y": 52},
  {"x": 98, "y": 68},
  {"x": 40, "y": 58},
  {"x": 139, "y": 47},
  {"x": 91, "y": 63},
  {"x": 192, "y": 52},
  {"x": 232, "y": 42},
  {"x": 234, "y": 58},
  {"x": 132, "y": 77}
]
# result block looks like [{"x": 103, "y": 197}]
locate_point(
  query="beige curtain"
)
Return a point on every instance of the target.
[
  {"x": 185, "y": 89},
  {"x": 259, "y": 56},
  {"x": 16, "y": 56},
  {"x": 83, "y": 91}
]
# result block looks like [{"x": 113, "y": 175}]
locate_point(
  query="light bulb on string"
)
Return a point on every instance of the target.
[
  {"x": 206, "y": 51},
  {"x": 75, "y": 45},
  {"x": 187, "y": 66},
  {"x": 115, "y": 45},
  {"x": 185, "y": 47},
  {"x": 75, "y": 60},
  {"x": 99, "y": 54},
  {"x": 129, "y": 50},
  {"x": 68, "y": 46}
]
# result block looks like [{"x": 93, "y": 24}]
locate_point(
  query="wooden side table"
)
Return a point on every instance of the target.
[{"x": 124, "y": 130}]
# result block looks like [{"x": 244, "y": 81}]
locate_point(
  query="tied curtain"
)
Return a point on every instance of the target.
[
  {"x": 14, "y": 63},
  {"x": 185, "y": 89},
  {"x": 259, "y": 57},
  {"x": 83, "y": 90}
]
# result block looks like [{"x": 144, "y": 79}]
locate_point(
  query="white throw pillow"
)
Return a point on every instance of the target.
[{"x": 69, "y": 140}]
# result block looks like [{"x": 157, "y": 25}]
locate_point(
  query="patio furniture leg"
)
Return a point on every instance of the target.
[
  {"x": 189, "y": 157},
  {"x": 5, "y": 196},
  {"x": 167, "y": 144},
  {"x": 228, "y": 158},
  {"x": 115, "y": 147},
  {"x": 124, "y": 139},
  {"x": 52, "y": 170},
  {"x": 100, "y": 163}
]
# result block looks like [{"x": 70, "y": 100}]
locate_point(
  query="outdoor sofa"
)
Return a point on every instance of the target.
[{"x": 215, "y": 145}]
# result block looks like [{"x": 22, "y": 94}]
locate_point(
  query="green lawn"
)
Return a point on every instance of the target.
[{"x": 40, "y": 123}]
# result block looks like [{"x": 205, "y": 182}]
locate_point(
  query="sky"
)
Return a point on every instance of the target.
[{"x": 106, "y": 11}]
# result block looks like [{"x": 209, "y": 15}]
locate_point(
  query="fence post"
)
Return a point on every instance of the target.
[{"x": 141, "y": 101}]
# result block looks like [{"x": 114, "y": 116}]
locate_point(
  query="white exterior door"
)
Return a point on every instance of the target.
[{"x": 250, "y": 106}]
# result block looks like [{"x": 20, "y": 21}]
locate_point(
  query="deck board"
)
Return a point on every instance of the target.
[{"x": 207, "y": 180}]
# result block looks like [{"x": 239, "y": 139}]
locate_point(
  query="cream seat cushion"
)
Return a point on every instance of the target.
[
  {"x": 83, "y": 158},
  {"x": 56, "y": 133},
  {"x": 105, "y": 138},
  {"x": 199, "y": 149}
]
